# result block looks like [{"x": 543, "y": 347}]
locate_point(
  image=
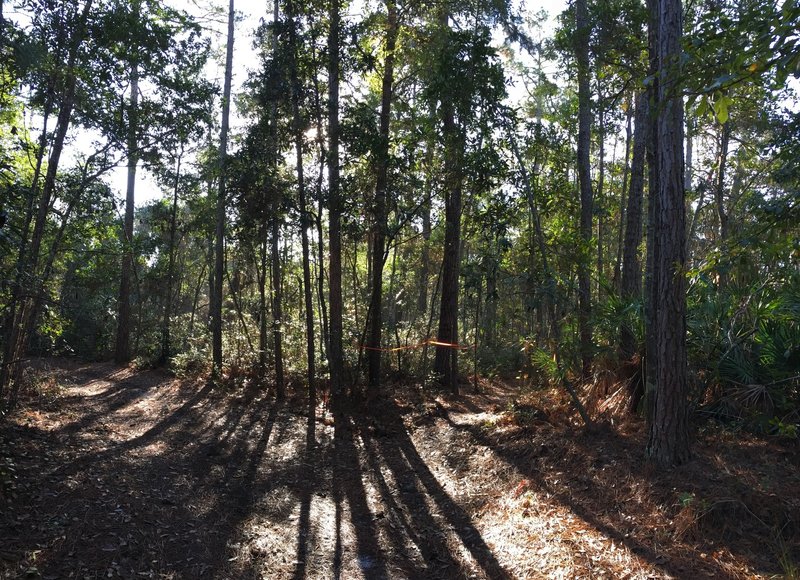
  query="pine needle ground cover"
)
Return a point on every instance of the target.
[{"x": 126, "y": 473}]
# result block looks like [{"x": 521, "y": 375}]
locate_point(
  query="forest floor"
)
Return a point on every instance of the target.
[{"x": 135, "y": 474}]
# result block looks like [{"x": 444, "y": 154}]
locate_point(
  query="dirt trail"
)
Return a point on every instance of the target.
[{"x": 139, "y": 475}]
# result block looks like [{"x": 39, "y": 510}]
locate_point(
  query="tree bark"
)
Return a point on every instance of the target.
[
  {"x": 379, "y": 208},
  {"x": 173, "y": 224},
  {"x": 668, "y": 442},
  {"x": 623, "y": 198},
  {"x": 336, "y": 350},
  {"x": 631, "y": 284},
  {"x": 446, "y": 360},
  {"x": 719, "y": 190},
  {"x": 219, "y": 231},
  {"x": 305, "y": 221},
  {"x": 122, "y": 350},
  {"x": 584, "y": 176}
]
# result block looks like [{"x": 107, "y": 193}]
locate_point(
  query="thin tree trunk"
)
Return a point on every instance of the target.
[
  {"x": 631, "y": 284},
  {"x": 379, "y": 209},
  {"x": 219, "y": 233},
  {"x": 195, "y": 300},
  {"x": 276, "y": 277},
  {"x": 584, "y": 176},
  {"x": 425, "y": 265},
  {"x": 305, "y": 222},
  {"x": 623, "y": 198},
  {"x": 336, "y": 350},
  {"x": 446, "y": 361},
  {"x": 277, "y": 301},
  {"x": 173, "y": 222},
  {"x": 320, "y": 262},
  {"x": 263, "y": 332},
  {"x": 719, "y": 190},
  {"x": 599, "y": 199},
  {"x": 122, "y": 351}
]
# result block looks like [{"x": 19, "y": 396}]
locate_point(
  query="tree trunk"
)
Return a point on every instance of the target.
[
  {"x": 631, "y": 284},
  {"x": 599, "y": 199},
  {"x": 122, "y": 351},
  {"x": 651, "y": 278},
  {"x": 173, "y": 223},
  {"x": 276, "y": 289},
  {"x": 584, "y": 176},
  {"x": 336, "y": 350},
  {"x": 379, "y": 208},
  {"x": 446, "y": 361},
  {"x": 719, "y": 190},
  {"x": 277, "y": 300},
  {"x": 668, "y": 442},
  {"x": 219, "y": 232},
  {"x": 623, "y": 198},
  {"x": 305, "y": 221},
  {"x": 425, "y": 262},
  {"x": 263, "y": 331}
]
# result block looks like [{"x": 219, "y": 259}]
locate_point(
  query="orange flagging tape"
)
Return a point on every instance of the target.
[{"x": 418, "y": 345}]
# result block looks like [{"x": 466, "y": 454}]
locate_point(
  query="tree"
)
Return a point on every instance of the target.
[
  {"x": 379, "y": 208},
  {"x": 20, "y": 323},
  {"x": 122, "y": 352},
  {"x": 582, "y": 33},
  {"x": 668, "y": 442},
  {"x": 335, "y": 351},
  {"x": 631, "y": 286},
  {"x": 305, "y": 223},
  {"x": 219, "y": 230}
]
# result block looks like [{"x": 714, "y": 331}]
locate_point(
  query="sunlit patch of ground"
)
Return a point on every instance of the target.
[{"x": 135, "y": 474}]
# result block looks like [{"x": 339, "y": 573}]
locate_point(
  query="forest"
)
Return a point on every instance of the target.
[{"x": 399, "y": 289}]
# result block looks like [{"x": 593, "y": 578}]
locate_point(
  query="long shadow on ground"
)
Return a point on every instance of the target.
[
  {"x": 757, "y": 528},
  {"x": 140, "y": 475}
]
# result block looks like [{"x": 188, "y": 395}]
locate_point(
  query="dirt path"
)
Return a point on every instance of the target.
[{"x": 139, "y": 475}]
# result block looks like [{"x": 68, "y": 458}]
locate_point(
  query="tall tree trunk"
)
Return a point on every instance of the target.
[
  {"x": 599, "y": 196},
  {"x": 652, "y": 257},
  {"x": 336, "y": 350},
  {"x": 319, "y": 269},
  {"x": 173, "y": 226},
  {"x": 623, "y": 198},
  {"x": 276, "y": 277},
  {"x": 631, "y": 284},
  {"x": 122, "y": 351},
  {"x": 219, "y": 230},
  {"x": 305, "y": 221},
  {"x": 585, "y": 179},
  {"x": 379, "y": 209},
  {"x": 446, "y": 360},
  {"x": 668, "y": 441}
]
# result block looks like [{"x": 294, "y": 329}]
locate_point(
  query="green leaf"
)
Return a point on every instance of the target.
[{"x": 702, "y": 107}]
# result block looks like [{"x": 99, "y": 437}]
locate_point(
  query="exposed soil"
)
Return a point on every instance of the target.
[{"x": 118, "y": 473}]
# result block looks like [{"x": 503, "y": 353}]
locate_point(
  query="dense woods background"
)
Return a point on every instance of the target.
[{"x": 413, "y": 192}]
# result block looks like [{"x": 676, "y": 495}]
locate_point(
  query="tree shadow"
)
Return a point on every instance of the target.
[
  {"x": 170, "y": 499},
  {"x": 419, "y": 501},
  {"x": 599, "y": 505}
]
